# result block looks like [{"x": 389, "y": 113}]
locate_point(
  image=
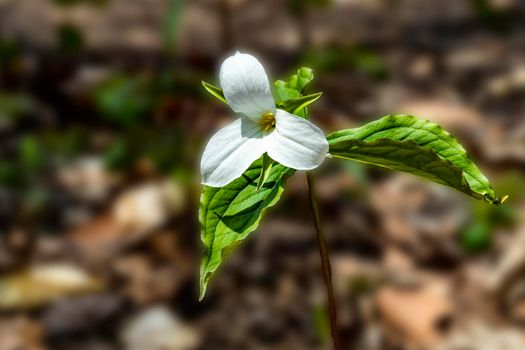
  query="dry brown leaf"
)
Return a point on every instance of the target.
[{"x": 39, "y": 285}]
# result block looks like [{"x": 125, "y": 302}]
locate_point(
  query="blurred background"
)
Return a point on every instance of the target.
[{"x": 102, "y": 121}]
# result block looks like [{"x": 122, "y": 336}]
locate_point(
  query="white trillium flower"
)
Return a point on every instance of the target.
[{"x": 261, "y": 128}]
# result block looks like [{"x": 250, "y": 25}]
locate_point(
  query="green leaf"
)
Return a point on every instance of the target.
[
  {"x": 297, "y": 105},
  {"x": 215, "y": 91},
  {"x": 230, "y": 213},
  {"x": 409, "y": 144},
  {"x": 294, "y": 87}
]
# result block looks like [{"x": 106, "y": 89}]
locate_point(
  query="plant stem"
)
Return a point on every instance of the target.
[{"x": 325, "y": 260}]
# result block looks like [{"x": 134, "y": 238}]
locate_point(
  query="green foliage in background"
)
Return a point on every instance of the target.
[
  {"x": 356, "y": 58},
  {"x": 64, "y": 144},
  {"x": 161, "y": 147},
  {"x": 299, "y": 7},
  {"x": 14, "y": 106},
  {"x": 124, "y": 99},
  {"x": 9, "y": 175},
  {"x": 496, "y": 18},
  {"x": 30, "y": 153},
  {"x": 70, "y": 39},
  {"x": 171, "y": 25},
  {"x": 9, "y": 53},
  {"x": 321, "y": 322}
]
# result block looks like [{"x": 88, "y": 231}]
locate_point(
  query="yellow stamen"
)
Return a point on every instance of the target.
[{"x": 267, "y": 122}]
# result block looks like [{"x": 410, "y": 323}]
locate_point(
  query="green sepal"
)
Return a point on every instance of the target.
[
  {"x": 297, "y": 105},
  {"x": 215, "y": 91}
]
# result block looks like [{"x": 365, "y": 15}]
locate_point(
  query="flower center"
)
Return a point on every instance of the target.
[{"x": 267, "y": 122}]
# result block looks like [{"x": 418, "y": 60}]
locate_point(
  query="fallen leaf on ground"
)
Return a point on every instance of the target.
[{"x": 39, "y": 285}]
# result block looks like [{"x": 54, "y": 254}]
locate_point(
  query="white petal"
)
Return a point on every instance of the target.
[
  {"x": 296, "y": 143},
  {"x": 230, "y": 152},
  {"x": 245, "y": 86}
]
